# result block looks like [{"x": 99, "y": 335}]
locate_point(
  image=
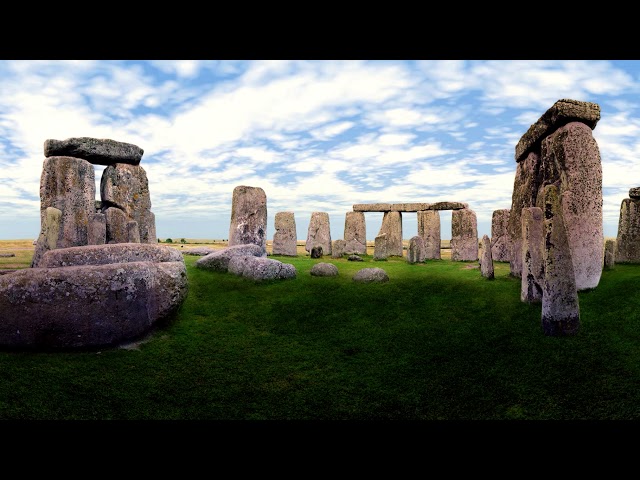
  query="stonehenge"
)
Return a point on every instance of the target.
[
  {"x": 248, "y": 217},
  {"x": 486, "y": 258},
  {"x": 500, "y": 245},
  {"x": 627, "y": 245},
  {"x": 416, "y": 252},
  {"x": 355, "y": 233},
  {"x": 319, "y": 233},
  {"x": 286, "y": 238}
]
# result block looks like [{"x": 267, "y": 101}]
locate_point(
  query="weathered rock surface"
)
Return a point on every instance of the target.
[
  {"x": 286, "y": 238},
  {"x": 248, "y": 217},
  {"x": 261, "y": 268},
  {"x": 562, "y": 112},
  {"x": 464, "y": 235},
  {"x": 448, "y": 206},
  {"x": 133, "y": 232},
  {"x": 372, "y": 207},
  {"x": 319, "y": 233},
  {"x": 219, "y": 259},
  {"x": 500, "y": 240},
  {"x": 407, "y": 207},
  {"x": 486, "y": 259},
  {"x": 337, "y": 248},
  {"x": 380, "y": 248},
  {"x": 634, "y": 193},
  {"x": 532, "y": 261},
  {"x": 429, "y": 230},
  {"x": 108, "y": 254},
  {"x": 324, "y": 270},
  {"x": 88, "y": 306},
  {"x": 198, "y": 251},
  {"x": 126, "y": 187},
  {"x": 355, "y": 233},
  {"x": 368, "y": 275},
  {"x": 97, "y": 231},
  {"x": 116, "y": 225},
  {"x": 628, "y": 239},
  {"x": 355, "y": 258},
  {"x": 416, "y": 251},
  {"x": 392, "y": 227},
  {"x": 316, "y": 252},
  {"x": 560, "y": 307},
  {"x": 49, "y": 233},
  {"x": 609, "y": 254},
  {"x": 94, "y": 150}
]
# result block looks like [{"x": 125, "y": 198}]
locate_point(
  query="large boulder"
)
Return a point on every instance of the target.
[
  {"x": 369, "y": 275},
  {"x": 324, "y": 269},
  {"x": 261, "y": 268},
  {"x": 88, "y": 306},
  {"x": 219, "y": 259},
  {"x": 109, "y": 253}
]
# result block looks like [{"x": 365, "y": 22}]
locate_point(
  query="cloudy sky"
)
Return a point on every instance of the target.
[{"x": 317, "y": 135}]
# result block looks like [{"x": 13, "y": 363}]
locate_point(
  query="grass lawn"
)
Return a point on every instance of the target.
[{"x": 437, "y": 342}]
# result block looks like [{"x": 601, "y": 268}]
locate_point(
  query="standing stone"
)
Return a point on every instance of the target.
[
  {"x": 68, "y": 184},
  {"x": 500, "y": 246},
  {"x": 355, "y": 233},
  {"x": 464, "y": 235},
  {"x": 525, "y": 194},
  {"x": 560, "y": 307},
  {"x": 319, "y": 232},
  {"x": 380, "y": 248},
  {"x": 49, "y": 232},
  {"x": 416, "y": 250},
  {"x": 609, "y": 254},
  {"x": 392, "y": 227},
  {"x": 97, "y": 234},
  {"x": 429, "y": 230},
  {"x": 486, "y": 258},
  {"x": 248, "y": 217},
  {"x": 532, "y": 255},
  {"x": 116, "y": 225},
  {"x": 571, "y": 160},
  {"x": 628, "y": 239},
  {"x": 126, "y": 187},
  {"x": 133, "y": 233},
  {"x": 285, "y": 239},
  {"x": 337, "y": 248}
]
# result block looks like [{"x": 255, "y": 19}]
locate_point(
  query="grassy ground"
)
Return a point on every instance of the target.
[{"x": 437, "y": 342}]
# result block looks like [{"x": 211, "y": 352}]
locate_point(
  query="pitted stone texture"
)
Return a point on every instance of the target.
[
  {"x": 634, "y": 193},
  {"x": 448, "y": 206},
  {"x": 285, "y": 239},
  {"x": 429, "y": 230},
  {"x": 248, "y": 217},
  {"x": 369, "y": 275},
  {"x": 133, "y": 233},
  {"x": 198, "y": 251},
  {"x": 464, "y": 235},
  {"x": 219, "y": 259},
  {"x": 355, "y": 233},
  {"x": 338, "y": 248},
  {"x": 97, "y": 233},
  {"x": 609, "y": 254},
  {"x": 500, "y": 246},
  {"x": 98, "y": 151},
  {"x": 88, "y": 306},
  {"x": 48, "y": 238},
  {"x": 416, "y": 251},
  {"x": 116, "y": 225},
  {"x": 319, "y": 233},
  {"x": 409, "y": 207},
  {"x": 562, "y": 112},
  {"x": 372, "y": 207},
  {"x": 486, "y": 259},
  {"x": 68, "y": 184},
  {"x": 392, "y": 227},
  {"x": 108, "y": 254},
  {"x": 571, "y": 160},
  {"x": 525, "y": 194},
  {"x": 380, "y": 247},
  {"x": 560, "y": 308},
  {"x": 261, "y": 268},
  {"x": 324, "y": 270},
  {"x": 628, "y": 239},
  {"x": 532, "y": 255},
  {"x": 127, "y": 188}
]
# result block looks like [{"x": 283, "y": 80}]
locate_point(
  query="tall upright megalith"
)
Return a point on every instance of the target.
[
  {"x": 559, "y": 149},
  {"x": 486, "y": 258},
  {"x": 429, "y": 230},
  {"x": 532, "y": 279},
  {"x": 500, "y": 240},
  {"x": 285, "y": 239},
  {"x": 464, "y": 235},
  {"x": 355, "y": 233},
  {"x": 248, "y": 217},
  {"x": 627, "y": 246},
  {"x": 392, "y": 228},
  {"x": 319, "y": 233}
]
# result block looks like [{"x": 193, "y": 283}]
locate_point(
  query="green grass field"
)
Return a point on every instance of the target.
[{"x": 437, "y": 342}]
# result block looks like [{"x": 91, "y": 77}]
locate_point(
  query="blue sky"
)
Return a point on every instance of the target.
[{"x": 317, "y": 135}]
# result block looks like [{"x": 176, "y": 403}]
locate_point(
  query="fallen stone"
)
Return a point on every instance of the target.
[
  {"x": 219, "y": 259},
  {"x": 368, "y": 275},
  {"x": 94, "y": 150},
  {"x": 355, "y": 258},
  {"x": 199, "y": 251},
  {"x": 324, "y": 270},
  {"x": 109, "y": 254},
  {"x": 7, "y": 255},
  {"x": 261, "y": 268}
]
